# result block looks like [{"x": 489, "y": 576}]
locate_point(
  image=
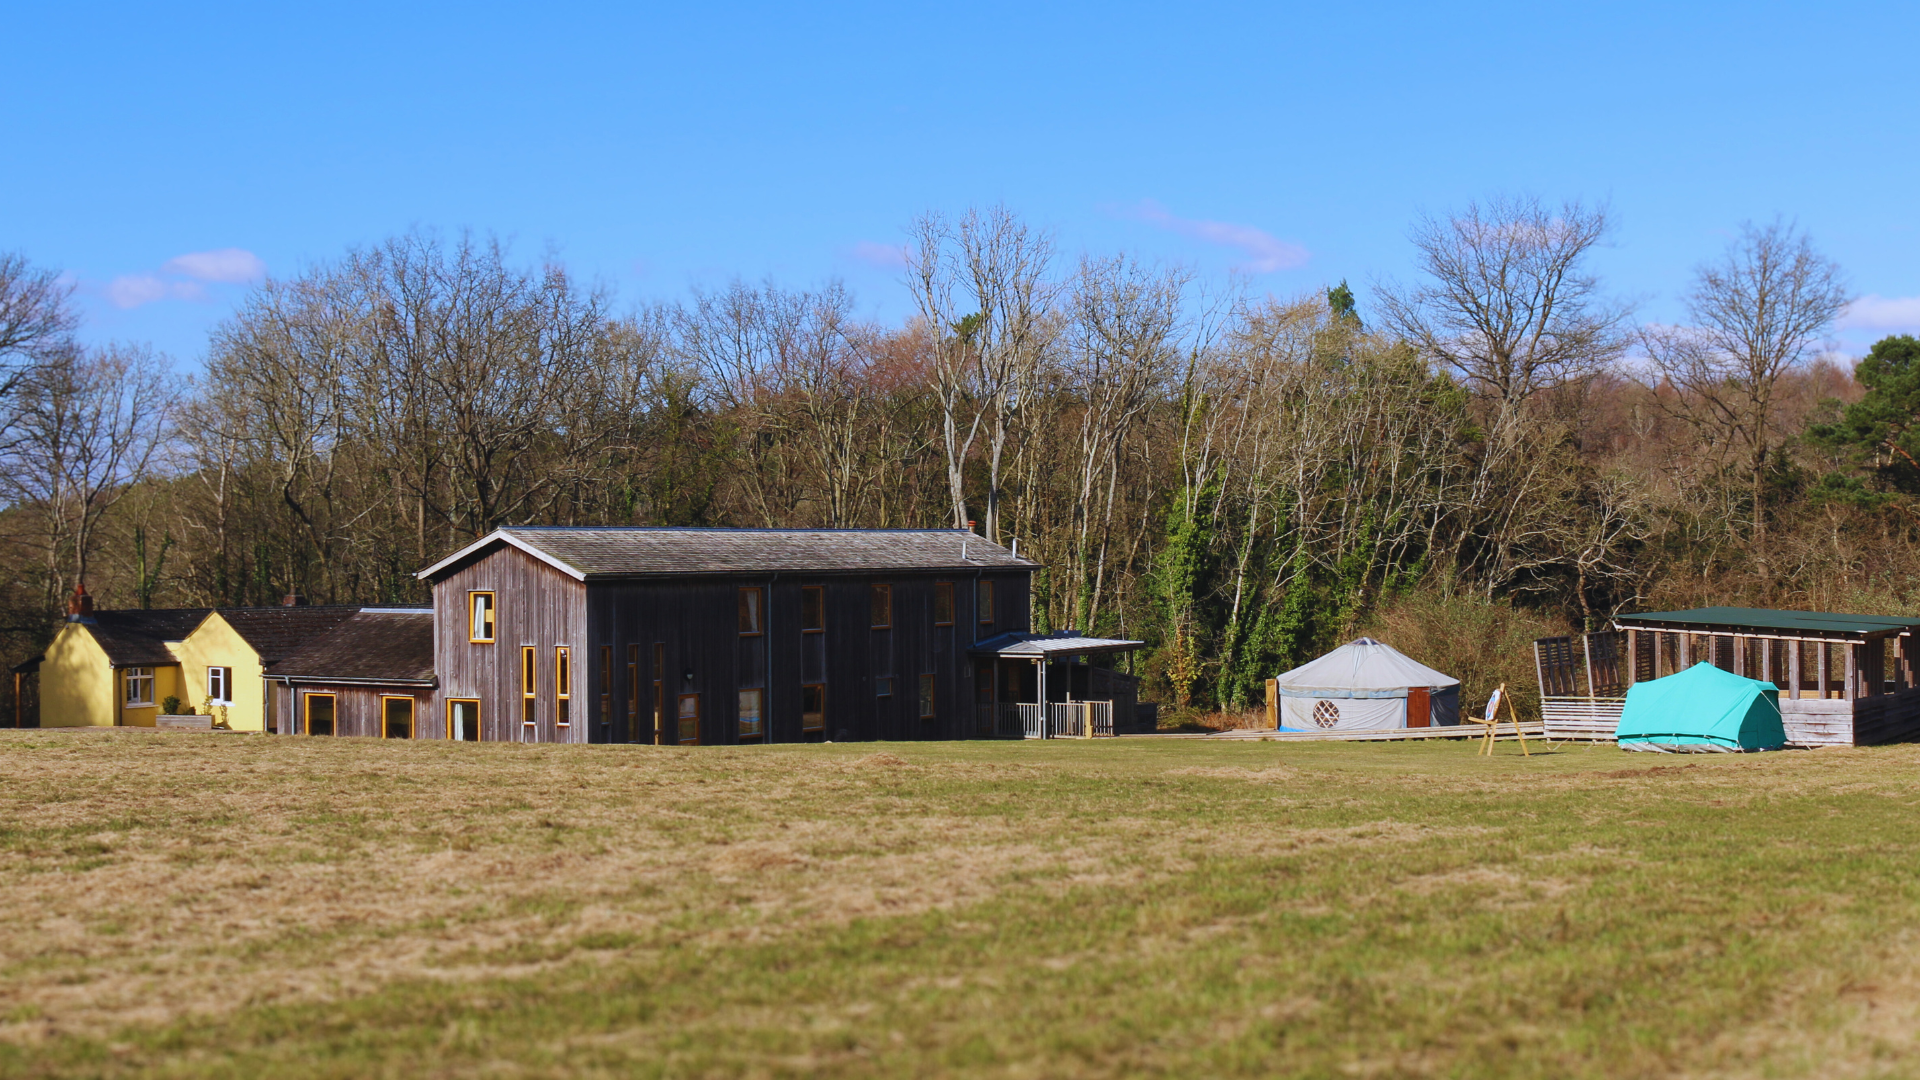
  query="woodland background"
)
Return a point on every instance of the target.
[{"x": 1493, "y": 452}]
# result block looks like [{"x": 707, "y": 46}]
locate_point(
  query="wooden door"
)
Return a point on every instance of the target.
[{"x": 1419, "y": 707}]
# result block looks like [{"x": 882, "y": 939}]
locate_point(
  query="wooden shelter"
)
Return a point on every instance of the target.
[
  {"x": 1059, "y": 685},
  {"x": 1844, "y": 680}
]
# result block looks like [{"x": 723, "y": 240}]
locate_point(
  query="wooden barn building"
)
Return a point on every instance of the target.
[
  {"x": 371, "y": 675},
  {"x": 721, "y": 636}
]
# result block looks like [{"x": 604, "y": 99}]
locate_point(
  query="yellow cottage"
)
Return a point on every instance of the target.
[{"x": 118, "y": 668}]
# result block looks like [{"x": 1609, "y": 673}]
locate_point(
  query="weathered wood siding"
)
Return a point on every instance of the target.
[
  {"x": 535, "y": 605},
  {"x": 697, "y": 620},
  {"x": 357, "y": 709},
  {"x": 1817, "y": 721},
  {"x": 1886, "y": 718}
]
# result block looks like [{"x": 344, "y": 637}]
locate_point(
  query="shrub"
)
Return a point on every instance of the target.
[{"x": 1480, "y": 643}]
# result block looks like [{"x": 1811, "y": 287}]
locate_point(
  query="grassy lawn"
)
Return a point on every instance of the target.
[{"x": 215, "y": 905}]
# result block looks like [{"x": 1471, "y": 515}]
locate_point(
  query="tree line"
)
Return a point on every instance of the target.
[{"x": 1242, "y": 480}]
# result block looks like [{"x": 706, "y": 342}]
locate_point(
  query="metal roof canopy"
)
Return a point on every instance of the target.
[
  {"x": 1020, "y": 645},
  {"x": 1766, "y": 622}
]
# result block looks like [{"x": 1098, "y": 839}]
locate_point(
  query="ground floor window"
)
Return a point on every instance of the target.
[
  {"x": 753, "y": 723},
  {"x": 139, "y": 686},
  {"x": 689, "y": 719},
  {"x": 319, "y": 714},
  {"x": 813, "y": 708},
  {"x": 219, "y": 686},
  {"x": 926, "y": 697},
  {"x": 396, "y": 718},
  {"x": 463, "y": 720}
]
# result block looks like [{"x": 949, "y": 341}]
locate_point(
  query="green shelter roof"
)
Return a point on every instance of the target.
[{"x": 1761, "y": 620}]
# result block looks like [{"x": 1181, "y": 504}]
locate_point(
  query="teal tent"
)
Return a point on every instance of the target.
[{"x": 1702, "y": 709}]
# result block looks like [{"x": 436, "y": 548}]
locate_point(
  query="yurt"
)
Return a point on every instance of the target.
[{"x": 1366, "y": 685}]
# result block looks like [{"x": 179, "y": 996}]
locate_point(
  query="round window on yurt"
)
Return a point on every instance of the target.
[{"x": 1326, "y": 714}]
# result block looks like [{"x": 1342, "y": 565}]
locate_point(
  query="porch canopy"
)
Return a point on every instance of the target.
[
  {"x": 1812, "y": 653},
  {"x": 1022, "y": 645}
]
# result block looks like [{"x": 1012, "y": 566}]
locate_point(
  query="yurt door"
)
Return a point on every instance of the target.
[{"x": 1419, "y": 709}]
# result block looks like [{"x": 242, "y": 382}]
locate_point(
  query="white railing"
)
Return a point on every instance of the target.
[
  {"x": 1059, "y": 720},
  {"x": 1581, "y": 717}
]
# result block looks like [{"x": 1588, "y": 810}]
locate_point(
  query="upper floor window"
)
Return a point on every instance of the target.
[
  {"x": 750, "y": 611},
  {"x": 983, "y": 601},
  {"x": 139, "y": 686},
  {"x": 813, "y": 607},
  {"x": 880, "y": 607},
  {"x": 943, "y": 603},
  {"x": 480, "y": 617},
  {"x": 219, "y": 686}
]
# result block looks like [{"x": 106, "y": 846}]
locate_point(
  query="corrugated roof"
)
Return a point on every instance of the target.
[
  {"x": 1736, "y": 619},
  {"x": 138, "y": 637},
  {"x": 277, "y": 632},
  {"x": 629, "y": 552},
  {"x": 371, "y": 646},
  {"x": 1019, "y": 644}
]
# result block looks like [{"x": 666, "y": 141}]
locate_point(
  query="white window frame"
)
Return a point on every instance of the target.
[
  {"x": 225, "y": 679},
  {"x": 138, "y": 676}
]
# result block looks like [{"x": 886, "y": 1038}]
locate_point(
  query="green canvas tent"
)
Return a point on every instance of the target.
[{"x": 1702, "y": 709}]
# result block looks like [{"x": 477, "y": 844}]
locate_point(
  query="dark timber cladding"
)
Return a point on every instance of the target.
[
  {"x": 722, "y": 635},
  {"x": 1843, "y": 679}
]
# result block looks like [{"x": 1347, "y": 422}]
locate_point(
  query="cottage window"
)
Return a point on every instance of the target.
[
  {"x": 926, "y": 697},
  {"x": 813, "y": 708},
  {"x": 813, "y": 608},
  {"x": 749, "y": 612},
  {"x": 689, "y": 719},
  {"x": 319, "y": 715},
  {"x": 753, "y": 724},
  {"x": 880, "y": 607},
  {"x": 563, "y": 685},
  {"x": 396, "y": 718},
  {"x": 219, "y": 686},
  {"x": 139, "y": 686},
  {"x": 943, "y": 603},
  {"x": 983, "y": 601},
  {"x": 463, "y": 720},
  {"x": 529, "y": 661},
  {"x": 480, "y": 617}
]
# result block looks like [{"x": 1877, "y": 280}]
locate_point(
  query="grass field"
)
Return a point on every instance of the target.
[{"x": 216, "y": 905}]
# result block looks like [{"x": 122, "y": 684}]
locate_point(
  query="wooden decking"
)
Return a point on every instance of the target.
[{"x": 1452, "y": 731}]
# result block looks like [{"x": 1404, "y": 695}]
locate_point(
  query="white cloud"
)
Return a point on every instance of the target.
[
  {"x": 1882, "y": 313},
  {"x": 232, "y": 266},
  {"x": 133, "y": 290},
  {"x": 1266, "y": 253},
  {"x": 884, "y": 256}
]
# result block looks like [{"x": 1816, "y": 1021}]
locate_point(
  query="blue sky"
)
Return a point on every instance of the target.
[{"x": 166, "y": 155}]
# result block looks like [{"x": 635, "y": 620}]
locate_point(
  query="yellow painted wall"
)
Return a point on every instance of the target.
[
  {"x": 77, "y": 683},
  {"x": 214, "y": 643}
]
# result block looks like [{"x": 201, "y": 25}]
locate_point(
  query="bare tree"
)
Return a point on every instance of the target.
[
  {"x": 34, "y": 317},
  {"x": 1757, "y": 314}
]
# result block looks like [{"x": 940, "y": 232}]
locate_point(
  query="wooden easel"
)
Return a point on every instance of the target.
[{"x": 1492, "y": 722}]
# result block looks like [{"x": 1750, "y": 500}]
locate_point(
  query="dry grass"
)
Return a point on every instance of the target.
[{"x": 191, "y": 905}]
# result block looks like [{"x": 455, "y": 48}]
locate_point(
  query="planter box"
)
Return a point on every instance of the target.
[{"x": 183, "y": 723}]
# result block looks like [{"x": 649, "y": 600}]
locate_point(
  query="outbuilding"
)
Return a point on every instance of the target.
[{"x": 1366, "y": 685}]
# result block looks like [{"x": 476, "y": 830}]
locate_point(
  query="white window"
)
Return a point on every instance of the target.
[
  {"x": 480, "y": 617},
  {"x": 219, "y": 686},
  {"x": 139, "y": 686}
]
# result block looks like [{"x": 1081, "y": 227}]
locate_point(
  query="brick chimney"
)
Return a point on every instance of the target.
[
  {"x": 79, "y": 605},
  {"x": 293, "y": 600}
]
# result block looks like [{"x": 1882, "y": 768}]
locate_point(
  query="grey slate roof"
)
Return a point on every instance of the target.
[
  {"x": 587, "y": 553},
  {"x": 1018, "y": 644},
  {"x": 276, "y": 632},
  {"x": 138, "y": 638},
  {"x": 372, "y": 645}
]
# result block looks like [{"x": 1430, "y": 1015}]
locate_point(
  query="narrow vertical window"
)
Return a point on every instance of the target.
[
  {"x": 750, "y": 600},
  {"x": 396, "y": 718},
  {"x": 633, "y": 693},
  {"x": 480, "y": 618},
  {"x": 943, "y": 603},
  {"x": 659, "y": 693},
  {"x": 813, "y": 608},
  {"x": 753, "y": 723},
  {"x": 689, "y": 719},
  {"x": 563, "y": 685},
  {"x": 529, "y": 673},
  {"x": 983, "y": 601},
  {"x": 926, "y": 697},
  {"x": 813, "y": 708},
  {"x": 606, "y": 685},
  {"x": 319, "y": 714},
  {"x": 880, "y": 607}
]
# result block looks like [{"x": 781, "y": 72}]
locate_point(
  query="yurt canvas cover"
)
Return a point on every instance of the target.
[
  {"x": 1363, "y": 685},
  {"x": 1702, "y": 709}
]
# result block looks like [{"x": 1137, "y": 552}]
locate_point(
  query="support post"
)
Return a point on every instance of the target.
[
  {"x": 1851, "y": 689},
  {"x": 1826, "y": 677},
  {"x": 1686, "y": 651},
  {"x": 1766, "y": 658},
  {"x": 1793, "y": 669},
  {"x": 1904, "y": 672},
  {"x": 1739, "y": 655},
  {"x": 1633, "y": 657}
]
